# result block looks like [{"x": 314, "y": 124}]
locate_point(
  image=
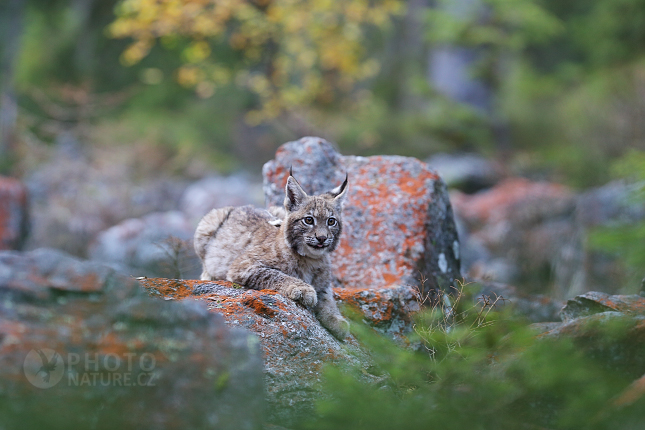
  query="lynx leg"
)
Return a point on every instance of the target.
[
  {"x": 260, "y": 277},
  {"x": 206, "y": 276},
  {"x": 329, "y": 316}
]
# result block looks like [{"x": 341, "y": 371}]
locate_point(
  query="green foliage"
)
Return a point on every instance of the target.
[
  {"x": 625, "y": 240},
  {"x": 485, "y": 371},
  {"x": 291, "y": 54},
  {"x": 509, "y": 24}
]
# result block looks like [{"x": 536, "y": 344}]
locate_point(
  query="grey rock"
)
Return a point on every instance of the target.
[
  {"x": 75, "y": 195},
  {"x": 611, "y": 338},
  {"x": 216, "y": 192},
  {"x": 158, "y": 244},
  {"x": 296, "y": 347},
  {"x": 611, "y": 203},
  {"x": 40, "y": 272}
]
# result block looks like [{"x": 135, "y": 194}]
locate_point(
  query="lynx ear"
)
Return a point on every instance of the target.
[
  {"x": 340, "y": 192},
  {"x": 294, "y": 194}
]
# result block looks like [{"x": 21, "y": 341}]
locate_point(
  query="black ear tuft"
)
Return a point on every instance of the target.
[
  {"x": 340, "y": 191},
  {"x": 294, "y": 194}
]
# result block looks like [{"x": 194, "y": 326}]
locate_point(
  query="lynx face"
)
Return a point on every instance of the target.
[{"x": 313, "y": 223}]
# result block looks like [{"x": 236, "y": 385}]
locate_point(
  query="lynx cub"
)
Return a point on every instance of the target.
[{"x": 286, "y": 250}]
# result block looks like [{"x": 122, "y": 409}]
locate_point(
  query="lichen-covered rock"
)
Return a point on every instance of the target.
[
  {"x": 519, "y": 230},
  {"x": 14, "y": 219},
  {"x": 158, "y": 244},
  {"x": 95, "y": 356},
  {"x": 295, "y": 345},
  {"x": 595, "y": 302},
  {"x": 387, "y": 309},
  {"x": 535, "y": 235},
  {"x": 398, "y": 222}
]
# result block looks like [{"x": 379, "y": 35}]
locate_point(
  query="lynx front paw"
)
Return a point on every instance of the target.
[{"x": 304, "y": 294}]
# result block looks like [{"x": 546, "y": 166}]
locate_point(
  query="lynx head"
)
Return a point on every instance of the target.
[{"x": 313, "y": 223}]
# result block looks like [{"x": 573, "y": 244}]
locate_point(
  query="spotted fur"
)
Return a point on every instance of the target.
[{"x": 283, "y": 249}]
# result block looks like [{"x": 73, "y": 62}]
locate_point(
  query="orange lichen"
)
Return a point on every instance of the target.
[
  {"x": 493, "y": 205},
  {"x": 390, "y": 278},
  {"x": 178, "y": 289},
  {"x": 373, "y": 299},
  {"x": 259, "y": 306}
]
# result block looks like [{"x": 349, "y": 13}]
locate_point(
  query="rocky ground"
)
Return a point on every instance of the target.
[{"x": 227, "y": 357}]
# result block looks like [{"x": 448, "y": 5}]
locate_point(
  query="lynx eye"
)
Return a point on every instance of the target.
[
  {"x": 331, "y": 222},
  {"x": 308, "y": 220}
]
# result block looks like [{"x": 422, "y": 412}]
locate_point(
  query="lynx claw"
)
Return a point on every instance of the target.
[{"x": 305, "y": 295}]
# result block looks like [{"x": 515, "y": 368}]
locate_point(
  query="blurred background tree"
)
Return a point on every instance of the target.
[{"x": 555, "y": 90}]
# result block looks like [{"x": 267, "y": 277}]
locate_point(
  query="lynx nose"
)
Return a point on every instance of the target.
[{"x": 321, "y": 239}]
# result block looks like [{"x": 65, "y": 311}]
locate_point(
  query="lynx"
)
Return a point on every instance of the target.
[{"x": 286, "y": 250}]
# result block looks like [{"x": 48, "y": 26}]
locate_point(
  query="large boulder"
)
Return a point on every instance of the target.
[
  {"x": 14, "y": 219},
  {"x": 398, "y": 222},
  {"x": 84, "y": 347},
  {"x": 295, "y": 345}
]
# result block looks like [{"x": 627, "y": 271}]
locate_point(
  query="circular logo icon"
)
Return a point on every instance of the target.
[{"x": 43, "y": 368}]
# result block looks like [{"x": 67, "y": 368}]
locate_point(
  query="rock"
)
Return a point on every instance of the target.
[
  {"x": 466, "y": 172},
  {"x": 611, "y": 203},
  {"x": 216, "y": 192},
  {"x": 398, "y": 222},
  {"x": 14, "y": 219},
  {"x": 80, "y": 191},
  {"x": 387, "y": 309},
  {"x": 595, "y": 302},
  {"x": 516, "y": 200},
  {"x": 295, "y": 345},
  {"x": 615, "y": 339},
  {"x": 43, "y": 272},
  {"x": 120, "y": 359},
  {"x": 609, "y": 328},
  {"x": 537, "y": 308},
  {"x": 158, "y": 244},
  {"x": 535, "y": 235},
  {"x": 529, "y": 235}
]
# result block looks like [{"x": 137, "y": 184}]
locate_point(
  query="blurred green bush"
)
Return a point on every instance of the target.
[{"x": 486, "y": 370}]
